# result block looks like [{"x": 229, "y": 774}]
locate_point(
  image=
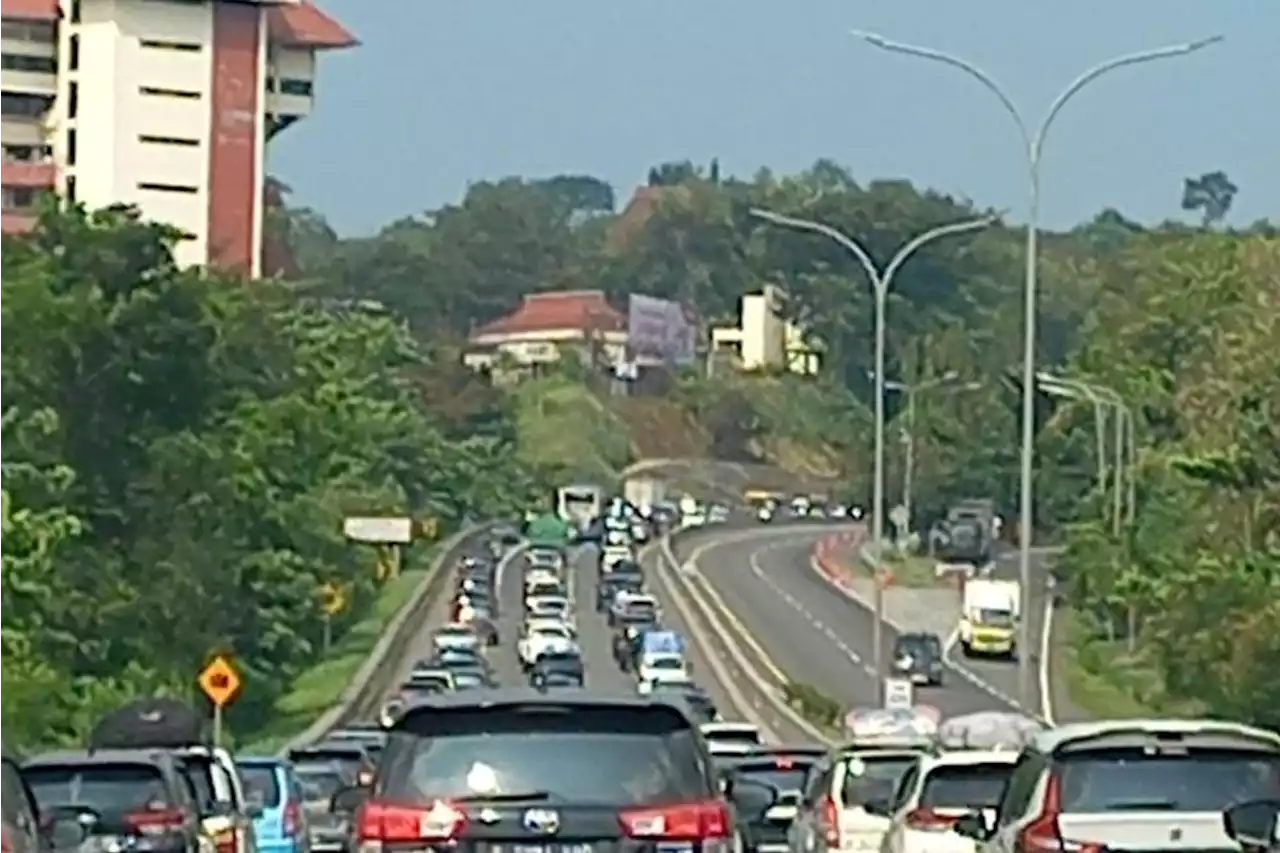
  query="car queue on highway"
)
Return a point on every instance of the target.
[{"x": 561, "y": 709}]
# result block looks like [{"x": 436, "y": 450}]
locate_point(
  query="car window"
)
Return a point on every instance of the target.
[
  {"x": 600, "y": 754},
  {"x": 906, "y": 787},
  {"x": 791, "y": 776},
  {"x": 1203, "y": 780},
  {"x": 1023, "y": 781},
  {"x": 15, "y": 802},
  {"x": 261, "y": 784},
  {"x": 873, "y": 777},
  {"x": 968, "y": 786},
  {"x": 317, "y": 784},
  {"x": 111, "y": 789}
]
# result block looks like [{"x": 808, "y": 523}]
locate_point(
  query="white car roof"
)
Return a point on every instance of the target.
[
  {"x": 729, "y": 748},
  {"x": 728, "y": 727},
  {"x": 1052, "y": 740},
  {"x": 988, "y": 730},
  {"x": 548, "y": 626},
  {"x": 969, "y": 757}
]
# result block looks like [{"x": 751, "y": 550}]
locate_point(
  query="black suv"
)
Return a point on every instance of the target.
[
  {"x": 918, "y": 658},
  {"x": 558, "y": 772}
]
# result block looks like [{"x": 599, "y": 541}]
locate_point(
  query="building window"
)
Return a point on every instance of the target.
[
  {"x": 36, "y": 31},
  {"x": 149, "y": 139},
  {"x": 301, "y": 88},
  {"x": 70, "y": 192},
  {"x": 161, "y": 92},
  {"x": 75, "y": 11},
  {"x": 73, "y": 99},
  {"x": 31, "y": 64},
  {"x": 18, "y": 105},
  {"x": 73, "y": 52},
  {"x": 71, "y": 147},
  {"x": 165, "y": 44},
  {"x": 168, "y": 188},
  {"x": 19, "y": 198}
]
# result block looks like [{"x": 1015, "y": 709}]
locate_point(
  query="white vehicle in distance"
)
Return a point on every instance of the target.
[
  {"x": 455, "y": 636},
  {"x": 555, "y": 607},
  {"x": 940, "y": 790},
  {"x": 540, "y": 587},
  {"x": 544, "y": 635},
  {"x": 727, "y": 733},
  {"x": 544, "y": 558},
  {"x": 611, "y": 555}
]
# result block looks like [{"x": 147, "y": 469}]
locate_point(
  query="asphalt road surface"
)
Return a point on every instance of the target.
[{"x": 811, "y": 631}]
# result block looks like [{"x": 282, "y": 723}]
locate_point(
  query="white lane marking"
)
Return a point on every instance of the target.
[{"x": 814, "y": 622}]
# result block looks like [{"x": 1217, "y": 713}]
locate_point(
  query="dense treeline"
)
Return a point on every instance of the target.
[
  {"x": 1182, "y": 321},
  {"x": 179, "y": 451}
]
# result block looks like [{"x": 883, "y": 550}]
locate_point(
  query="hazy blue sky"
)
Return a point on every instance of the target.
[{"x": 446, "y": 92}]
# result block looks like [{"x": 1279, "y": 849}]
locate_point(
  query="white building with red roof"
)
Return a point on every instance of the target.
[
  {"x": 548, "y": 325},
  {"x": 163, "y": 104}
]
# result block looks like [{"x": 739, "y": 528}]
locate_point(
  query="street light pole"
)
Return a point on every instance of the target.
[
  {"x": 1033, "y": 142},
  {"x": 1103, "y": 399},
  {"x": 909, "y": 457},
  {"x": 881, "y": 280}
]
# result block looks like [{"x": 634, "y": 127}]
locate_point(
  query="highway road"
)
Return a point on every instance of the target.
[{"x": 811, "y": 631}]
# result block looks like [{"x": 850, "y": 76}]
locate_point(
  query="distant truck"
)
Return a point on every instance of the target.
[
  {"x": 580, "y": 506},
  {"x": 644, "y": 493},
  {"x": 989, "y": 620},
  {"x": 969, "y": 532}
]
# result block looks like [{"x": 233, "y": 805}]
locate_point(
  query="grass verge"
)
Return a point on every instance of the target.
[
  {"x": 317, "y": 688},
  {"x": 1105, "y": 679},
  {"x": 912, "y": 570}
]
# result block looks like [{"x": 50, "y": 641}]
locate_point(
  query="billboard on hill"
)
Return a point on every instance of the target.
[{"x": 660, "y": 331}]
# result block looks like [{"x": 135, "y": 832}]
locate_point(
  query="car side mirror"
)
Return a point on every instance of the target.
[
  {"x": 1253, "y": 824},
  {"x": 972, "y": 825},
  {"x": 348, "y": 800}
]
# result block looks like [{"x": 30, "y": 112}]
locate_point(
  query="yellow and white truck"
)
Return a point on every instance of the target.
[{"x": 989, "y": 621}]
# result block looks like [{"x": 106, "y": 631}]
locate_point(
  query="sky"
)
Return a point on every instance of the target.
[{"x": 444, "y": 93}]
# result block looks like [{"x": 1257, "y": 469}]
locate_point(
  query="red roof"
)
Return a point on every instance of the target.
[
  {"x": 31, "y": 10},
  {"x": 304, "y": 25},
  {"x": 557, "y": 310},
  {"x": 34, "y": 175}
]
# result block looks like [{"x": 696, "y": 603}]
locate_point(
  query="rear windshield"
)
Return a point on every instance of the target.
[
  {"x": 260, "y": 784},
  {"x": 969, "y": 786},
  {"x": 606, "y": 755},
  {"x": 638, "y": 614},
  {"x": 784, "y": 779},
  {"x": 873, "y": 777},
  {"x": 1205, "y": 780},
  {"x": 329, "y": 757},
  {"x": 319, "y": 783},
  {"x": 110, "y": 789}
]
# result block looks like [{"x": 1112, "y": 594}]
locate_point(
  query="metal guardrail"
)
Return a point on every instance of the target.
[{"x": 372, "y": 681}]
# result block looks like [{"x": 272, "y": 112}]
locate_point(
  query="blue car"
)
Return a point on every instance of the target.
[{"x": 282, "y": 826}]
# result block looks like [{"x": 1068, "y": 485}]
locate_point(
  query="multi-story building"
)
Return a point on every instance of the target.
[
  {"x": 163, "y": 104},
  {"x": 764, "y": 339}
]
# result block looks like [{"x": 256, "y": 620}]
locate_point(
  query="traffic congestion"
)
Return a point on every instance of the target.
[{"x": 564, "y": 707}]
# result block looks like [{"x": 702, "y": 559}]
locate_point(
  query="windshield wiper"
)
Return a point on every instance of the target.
[{"x": 509, "y": 797}]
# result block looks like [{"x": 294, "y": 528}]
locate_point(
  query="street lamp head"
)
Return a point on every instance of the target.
[{"x": 870, "y": 38}]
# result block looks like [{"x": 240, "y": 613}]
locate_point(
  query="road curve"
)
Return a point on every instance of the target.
[{"x": 812, "y": 632}]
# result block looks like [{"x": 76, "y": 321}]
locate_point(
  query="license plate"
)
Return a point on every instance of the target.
[{"x": 541, "y": 848}]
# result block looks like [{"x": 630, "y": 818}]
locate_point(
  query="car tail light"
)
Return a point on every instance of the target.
[
  {"x": 1043, "y": 835},
  {"x": 378, "y": 824},
  {"x": 928, "y": 820},
  {"x": 225, "y": 841},
  {"x": 292, "y": 819},
  {"x": 706, "y": 820},
  {"x": 829, "y": 818},
  {"x": 155, "y": 821},
  {"x": 5, "y": 846}
]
